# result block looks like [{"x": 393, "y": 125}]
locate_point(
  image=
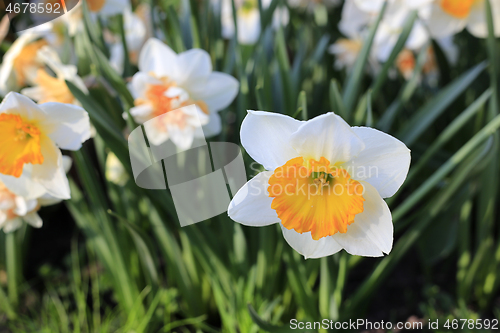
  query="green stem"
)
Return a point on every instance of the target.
[{"x": 11, "y": 258}]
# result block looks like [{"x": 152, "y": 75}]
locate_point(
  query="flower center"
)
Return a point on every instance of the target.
[
  {"x": 315, "y": 196},
  {"x": 26, "y": 59},
  {"x": 96, "y": 5},
  {"x": 457, "y": 8},
  {"x": 19, "y": 144},
  {"x": 167, "y": 97},
  {"x": 54, "y": 89}
]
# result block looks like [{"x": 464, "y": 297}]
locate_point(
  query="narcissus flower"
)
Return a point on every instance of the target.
[
  {"x": 359, "y": 15},
  {"x": 325, "y": 183},
  {"x": 167, "y": 81},
  {"x": 31, "y": 162}
]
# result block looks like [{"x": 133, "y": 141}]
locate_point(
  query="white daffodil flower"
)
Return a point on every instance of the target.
[
  {"x": 167, "y": 81},
  {"x": 48, "y": 88},
  {"x": 448, "y": 17},
  {"x": 359, "y": 15},
  {"x": 325, "y": 183},
  {"x": 15, "y": 209},
  {"x": 248, "y": 19},
  {"x": 31, "y": 162}
]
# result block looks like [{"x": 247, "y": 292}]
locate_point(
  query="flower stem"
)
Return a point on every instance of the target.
[{"x": 12, "y": 276}]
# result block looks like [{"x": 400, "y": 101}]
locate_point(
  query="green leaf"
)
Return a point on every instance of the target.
[
  {"x": 127, "y": 69},
  {"x": 493, "y": 56},
  {"x": 336, "y": 103},
  {"x": 449, "y": 132},
  {"x": 271, "y": 328},
  {"x": 403, "y": 37},
  {"x": 405, "y": 94},
  {"x": 104, "y": 125},
  {"x": 114, "y": 79},
  {"x": 301, "y": 106},
  {"x": 143, "y": 246},
  {"x": 455, "y": 160},
  {"x": 424, "y": 117}
]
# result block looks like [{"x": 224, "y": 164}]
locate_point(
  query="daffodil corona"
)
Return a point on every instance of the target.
[{"x": 324, "y": 183}]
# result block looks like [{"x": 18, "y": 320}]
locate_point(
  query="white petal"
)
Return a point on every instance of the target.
[
  {"x": 252, "y": 205},
  {"x": 327, "y": 136},
  {"x": 192, "y": 69},
  {"x": 140, "y": 84},
  {"x": 66, "y": 124},
  {"x": 308, "y": 247},
  {"x": 384, "y": 162},
  {"x": 219, "y": 91},
  {"x": 181, "y": 137},
  {"x": 50, "y": 174},
  {"x": 117, "y": 57},
  {"x": 477, "y": 24},
  {"x": 248, "y": 27},
  {"x": 23, "y": 186},
  {"x": 8, "y": 79},
  {"x": 369, "y": 5},
  {"x": 67, "y": 163},
  {"x": 354, "y": 20},
  {"x": 266, "y": 137},
  {"x": 441, "y": 24},
  {"x": 12, "y": 225},
  {"x": 35, "y": 93},
  {"x": 141, "y": 113},
  {"x": 214, "y": 125},
  {"x": 24, "y": 206},
  {"x": 371, "y": 234},
  {"x": 33, "y": 219},
  {"x": 156, "y": 132},
  {"x": 158, "y": 58},
  {"x": 23, "y": 106},
  {"x": 48, "y": 200}
]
